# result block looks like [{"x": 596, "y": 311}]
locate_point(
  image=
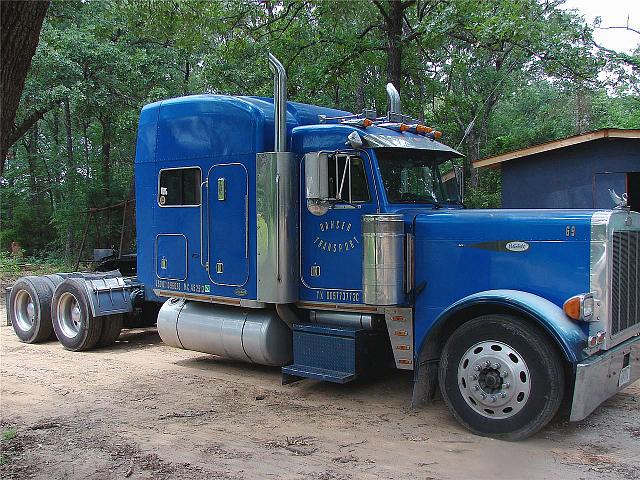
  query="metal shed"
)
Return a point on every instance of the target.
[{"x": 573, "y": 172}]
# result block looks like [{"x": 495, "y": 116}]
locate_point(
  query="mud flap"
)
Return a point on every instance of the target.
[{"x": 425, "y": 384}]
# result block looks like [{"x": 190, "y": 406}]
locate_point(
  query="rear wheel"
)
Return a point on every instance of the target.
[
  {"x": 75, "y": 326},
  {"x": 53, "y": 281},
  {"x": 30, "y": 309},
  {"x": 501, "y": 377}
]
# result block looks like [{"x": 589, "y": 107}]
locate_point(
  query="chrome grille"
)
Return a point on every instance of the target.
[{"x": 625, "y": 281}]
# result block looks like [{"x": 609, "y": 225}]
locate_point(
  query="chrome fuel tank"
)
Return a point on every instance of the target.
[
  {"x": 383, "y": 259},
  {"x": 255, "y": 336}
]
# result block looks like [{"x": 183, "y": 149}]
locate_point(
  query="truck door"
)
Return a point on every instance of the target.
[
  {"x": 330, "y": 238},
  {"x": 228, "y": 236}
]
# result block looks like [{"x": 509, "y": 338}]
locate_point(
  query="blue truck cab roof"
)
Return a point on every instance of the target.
[{"x": 200, "y": 126}]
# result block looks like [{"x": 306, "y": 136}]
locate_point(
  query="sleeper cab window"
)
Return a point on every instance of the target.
[{"x": 179, "y": 187}]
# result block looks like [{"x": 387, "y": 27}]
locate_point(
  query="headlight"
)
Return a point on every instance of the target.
[{"x": 580, "y": 307}]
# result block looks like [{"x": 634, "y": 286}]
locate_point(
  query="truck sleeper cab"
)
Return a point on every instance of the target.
[{"x": 329, "y": 244}]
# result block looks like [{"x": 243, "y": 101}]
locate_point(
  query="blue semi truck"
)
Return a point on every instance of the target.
[{"x": 327, "y": 243}]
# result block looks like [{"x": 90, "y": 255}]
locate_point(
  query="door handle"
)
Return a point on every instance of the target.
[{"x": 202, "y": 197}]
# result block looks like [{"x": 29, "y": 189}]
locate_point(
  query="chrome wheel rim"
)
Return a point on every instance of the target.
[
  {"x": 70, "y": 315},
  {"x": 24, "y": 310},
  {"x": 494, "y": 379}
]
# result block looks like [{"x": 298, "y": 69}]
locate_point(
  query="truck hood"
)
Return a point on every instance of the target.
[{"x": 495, "y": 225}]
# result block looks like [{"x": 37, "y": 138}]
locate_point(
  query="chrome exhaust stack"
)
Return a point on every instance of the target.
[
  {"x": 277, "y": 206},
  {"x": 279, "y": 103},
  {"x": 393, "y": 99}
]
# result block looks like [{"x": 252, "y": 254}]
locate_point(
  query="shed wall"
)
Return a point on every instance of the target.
[{"x": 573, "y": 177}]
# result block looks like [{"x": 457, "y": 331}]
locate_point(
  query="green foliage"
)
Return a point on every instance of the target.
[
  {"x": 493, "y": 76},
  {"x": 43, "y": 264},
  {"x": 539, "y": 111},
  {"x": 488, "y": 192},
  {"x": 9, "y": 264}
]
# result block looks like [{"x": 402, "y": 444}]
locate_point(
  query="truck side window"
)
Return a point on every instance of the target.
[
  {"x": 348, "y": 172},
  {"x": 179, "y": 187}
]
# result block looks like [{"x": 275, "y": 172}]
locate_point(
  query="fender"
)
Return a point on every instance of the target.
[
  {"x": 108, "y": 293},
  {"x": 567, "y": 333}
]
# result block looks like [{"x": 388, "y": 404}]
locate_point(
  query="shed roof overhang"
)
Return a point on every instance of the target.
[{"x": 557, "y": 144}]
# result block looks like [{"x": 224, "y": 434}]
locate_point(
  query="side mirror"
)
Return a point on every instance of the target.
[
  {"x": 459, "y": 173},
  {"x": 328, "y": 180},
  {"x": 316, "y": 172}
]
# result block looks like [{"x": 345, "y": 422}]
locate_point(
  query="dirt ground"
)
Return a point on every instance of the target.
[{"x": 142, "y": 410}]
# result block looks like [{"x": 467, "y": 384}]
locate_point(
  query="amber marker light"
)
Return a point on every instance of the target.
[
  {"x": 423, "y": 129},
  {"x": 437, "y": 134},
  {"x": 404, "y": 127},
  {"x": 358, "y": 122},
  {"x": 572, "y": 308}
]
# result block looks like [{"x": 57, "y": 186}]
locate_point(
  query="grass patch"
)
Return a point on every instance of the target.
[
  {"x": 9, "y": 434},
  {"x": 12, "y": 268}
]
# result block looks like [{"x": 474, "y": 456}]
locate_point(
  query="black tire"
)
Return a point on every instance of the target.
[
  {"x": 75, "y": 326},
  {"x": 30, "y": 309},
  {"x": 536, "y": 370},
  {"x": 53, "y": 281},
  {"x": 111, "y": 328}
]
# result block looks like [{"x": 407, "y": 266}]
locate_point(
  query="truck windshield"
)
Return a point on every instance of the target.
[{"x": 413, "y": 176}]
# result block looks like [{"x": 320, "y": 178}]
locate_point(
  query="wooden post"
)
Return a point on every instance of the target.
[
  {"x": 124, "y": 216},
  {"x": 84, "y": 237}
]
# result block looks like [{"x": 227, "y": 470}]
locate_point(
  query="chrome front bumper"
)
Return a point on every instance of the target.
[{"x": 600, "y": 377}]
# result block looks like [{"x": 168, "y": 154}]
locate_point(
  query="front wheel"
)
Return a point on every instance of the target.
[{"x": 501, "y": 377}]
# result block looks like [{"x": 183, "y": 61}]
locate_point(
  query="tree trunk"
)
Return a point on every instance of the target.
[
  {"x": 360, "y": 100},
  {"x": 129, "y": 222},
  {"x": 187, "y": 74},
  {"x": 421, "y": 97},
  {"x": 67, "y": 126},
  {"x": 473, "y": 154},
  {"x": 85, "y": 143},
  {"x": 56, "y": 127},
  {"x": 394, "y": 42},
  {"x": 70, "y": 177},
  {"x": 52, "y": 199},
  {"x": 20, "y": 31},
  {"x": 30, "y": 147},
  {"x": 106, "y": 158}
]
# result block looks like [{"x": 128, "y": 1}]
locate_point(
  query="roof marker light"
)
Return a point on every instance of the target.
[
  {"x": 423, "y": 129},
  {"x": 404, "y": 127},
  {"x": 358, "y": 122}
]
